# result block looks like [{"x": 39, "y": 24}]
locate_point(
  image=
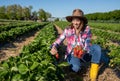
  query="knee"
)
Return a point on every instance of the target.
[
  {"x": 96, "y": 48},
  {"x": 76, "y": 68}
]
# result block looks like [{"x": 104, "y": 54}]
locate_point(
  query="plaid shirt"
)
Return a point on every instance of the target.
[{"x": 72, "y": 39}]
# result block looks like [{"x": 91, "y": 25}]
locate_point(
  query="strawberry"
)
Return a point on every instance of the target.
[
  {"x": 57, "y": 56},
  {"x": 80, "y": 53}
]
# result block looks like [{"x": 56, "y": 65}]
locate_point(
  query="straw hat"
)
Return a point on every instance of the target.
[{"x": 77, "y": 13}]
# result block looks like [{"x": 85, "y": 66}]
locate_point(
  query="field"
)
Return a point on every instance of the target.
[{"x": 31, "y": 59}]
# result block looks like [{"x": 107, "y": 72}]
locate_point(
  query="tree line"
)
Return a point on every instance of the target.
[
  {"x": 17, "y": 12},
  {"x": 111, "y": 15}
]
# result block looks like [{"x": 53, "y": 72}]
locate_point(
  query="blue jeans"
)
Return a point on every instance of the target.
[{"x": 94, "y": 56}]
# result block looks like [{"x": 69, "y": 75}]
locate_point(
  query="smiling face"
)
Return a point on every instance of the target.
[{"x": 77, "y": 23}]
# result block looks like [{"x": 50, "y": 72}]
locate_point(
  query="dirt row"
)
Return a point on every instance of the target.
[{"x": 13, "y": 48}]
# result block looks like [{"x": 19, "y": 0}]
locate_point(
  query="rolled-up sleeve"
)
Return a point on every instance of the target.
[{"x": 60, "y": 38}]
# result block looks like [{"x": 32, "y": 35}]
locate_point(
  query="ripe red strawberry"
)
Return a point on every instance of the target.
[
  {"x": 57, "y": 56},
  {"x": 80, "y": 53}
]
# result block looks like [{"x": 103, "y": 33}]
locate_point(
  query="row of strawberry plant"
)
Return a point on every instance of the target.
[
  {"x": 15, "y": 32},
  {"x": 62, "y": 24},
  {"x": 35, "y": 63},
  {"x": 115, "y": 27},
  {"x": 10, "y": 26},
  {"x": 9, "y": 22},
  {"x": 108, "y": 35}
]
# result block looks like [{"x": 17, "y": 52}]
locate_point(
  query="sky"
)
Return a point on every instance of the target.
[{"x": 63, "y": 8}]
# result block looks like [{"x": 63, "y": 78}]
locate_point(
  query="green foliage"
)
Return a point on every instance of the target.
[
  {"x": 35, "y": 63},
  {"x": 17, "y": 12},
  {"x": 2, "y": 12},
  {"x": 62, "y": 24},
  {"x": 113, "y": 27},
  {"x": 112, "y": 15},
  {"x": 57, "y": 19},
  {"x": 43, "y": 15},
  {"x": 17, "y": 31}
]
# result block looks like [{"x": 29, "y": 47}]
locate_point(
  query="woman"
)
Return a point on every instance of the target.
[{"x": 78, "y": 36}]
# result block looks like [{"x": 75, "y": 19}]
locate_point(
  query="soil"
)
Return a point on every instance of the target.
[
  {"x": 105, "y": 73},
  {"x": 14, "y": 47}
]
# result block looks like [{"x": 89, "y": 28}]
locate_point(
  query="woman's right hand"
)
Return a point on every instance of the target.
[{"x": 53, "y": 51}]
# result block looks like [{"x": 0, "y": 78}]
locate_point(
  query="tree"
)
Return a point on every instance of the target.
[
  {"x": 48, "y": 15},
  {"x": 3, "y": 12},
  {"x": 34, "y": 15},
  {"x": 11, "y": 11},
  {"x": 57, "y": 19},
  {"x": 26, "y": 13},
  {"x": 19, "y": 12},
  {"x": 112, "y": 15},
  {"x": 30, "y": 8},
  {"x": 43, "y": 15}
]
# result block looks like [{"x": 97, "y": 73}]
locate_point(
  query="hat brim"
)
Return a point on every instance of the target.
[{"x": 69, "y": 18}]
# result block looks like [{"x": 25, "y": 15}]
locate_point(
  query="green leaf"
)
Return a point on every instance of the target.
[
  {"x": 23, "y": 69},
  {"x": 52, "y": 68},
  {"x": 35, "y": 64},
  {"x": 5, "y": 65},
  {"x": 63, "y": 64},
  {"x": 41, "y": 79},
  {"x": 16, "y": 77},
  {"x": 14, "y": 69},
  {"x": 3, "y": 71}
]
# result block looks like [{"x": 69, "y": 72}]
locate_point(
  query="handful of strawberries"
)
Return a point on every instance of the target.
[{"x": 78, "y": 51}]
